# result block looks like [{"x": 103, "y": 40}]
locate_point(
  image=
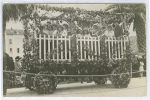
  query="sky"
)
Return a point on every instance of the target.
[
  {"x": 83, "y": 6},
  {"x": 18, "y": 24}
]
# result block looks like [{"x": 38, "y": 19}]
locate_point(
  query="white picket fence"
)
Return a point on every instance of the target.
[{"x": 59, "y": 48}]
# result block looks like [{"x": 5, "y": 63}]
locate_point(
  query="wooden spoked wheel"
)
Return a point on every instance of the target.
[{"x": 121, "y": 78}]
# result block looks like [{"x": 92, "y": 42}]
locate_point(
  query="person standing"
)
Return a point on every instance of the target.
[
  {"x": 55, "y": 30},
  {"x": 109, "y": 32},
  {"x": 18, "y": 64},
  {"x": 118, "y": 32},
  {"x": 141, "y": 68},
  {"x": 18, "y": 69}
]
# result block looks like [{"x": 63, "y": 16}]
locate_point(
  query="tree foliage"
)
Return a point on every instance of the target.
[
  {"x": 138, "y": 16},
  {"x": 11, "y": 12},
  {"x": 8, "y": 63}
]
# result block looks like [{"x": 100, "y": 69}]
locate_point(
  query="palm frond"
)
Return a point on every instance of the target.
[{"x": 111, "y": 7}]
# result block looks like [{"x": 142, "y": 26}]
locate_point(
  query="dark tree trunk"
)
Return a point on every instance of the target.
[
  {"x": 140, "y": 31},
  {"x": 4, "y": 28}
]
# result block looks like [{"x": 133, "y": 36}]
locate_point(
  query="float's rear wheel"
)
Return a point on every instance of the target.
[{"x": 120, "y": 80}]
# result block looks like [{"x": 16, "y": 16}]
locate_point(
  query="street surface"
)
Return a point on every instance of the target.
[{"x": 137, "y": 87}]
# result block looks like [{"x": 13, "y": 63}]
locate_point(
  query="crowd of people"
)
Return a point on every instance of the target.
[{"x": 65, "y": 29}]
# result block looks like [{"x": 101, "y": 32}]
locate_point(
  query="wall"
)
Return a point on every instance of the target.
[{"x": 17, "y": 42}]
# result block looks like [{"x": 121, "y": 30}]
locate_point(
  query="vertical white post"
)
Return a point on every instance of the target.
[
  {"x": 49, "y": 41},
  {"x": 127, "y": 40},
  {"x": 106, "y": 40},
  {"x": 57, "y": 48},
  {"x": 62, "y": 48},
  {"x": 121, "y": 48},
  {"x": 88, "y": 47},
  {"x": 77, "y": 46},
  {"x": 53, "y": 48},
  {"x": 81, "y": 46},
  {"x": 44, "y": 48},
  {"x": 95, "y": 48},
  {"x": 109, "y": 47},
  {"x": 40, "y": 46},
  {"x": 69, "y": 48},
  {"x": 99, "y": 41},
  {"x": 65, "y": 48},
  {"x": 48, "y": 47},
  {"x": 112, "y": 46},
  {"x": 84, "y": 49},
  {"x": 116, "y": 48},
  {"x": 98, "y": 46},
  {"x": 124, "y": 43},
  {"x": 92, "y": 47}
]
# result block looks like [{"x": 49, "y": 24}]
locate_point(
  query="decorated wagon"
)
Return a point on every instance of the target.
[{"x": 51, "y": 59}]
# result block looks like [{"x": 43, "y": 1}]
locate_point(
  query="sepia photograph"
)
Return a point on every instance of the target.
[{"x": 74, "y": 50}]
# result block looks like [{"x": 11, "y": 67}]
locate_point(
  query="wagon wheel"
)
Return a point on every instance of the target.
[{"x": 121, "y": 79}]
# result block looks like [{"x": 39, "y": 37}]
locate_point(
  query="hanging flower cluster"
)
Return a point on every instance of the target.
[{"x": 32, "y": 27}]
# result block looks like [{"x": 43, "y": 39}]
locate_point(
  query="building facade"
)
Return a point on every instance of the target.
[{"x": 14, "y": 43}]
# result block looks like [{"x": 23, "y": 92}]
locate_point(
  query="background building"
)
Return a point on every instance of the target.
[{"x": 14, "y": 42}]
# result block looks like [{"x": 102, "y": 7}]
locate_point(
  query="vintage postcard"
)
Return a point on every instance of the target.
[{"x": 74, "y": 50}]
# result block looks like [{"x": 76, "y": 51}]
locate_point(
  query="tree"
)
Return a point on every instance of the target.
[
  {"x": 138, "y": 13},
  {"x": 11, "y": 12},
  {"x": 8, "y": 63}
]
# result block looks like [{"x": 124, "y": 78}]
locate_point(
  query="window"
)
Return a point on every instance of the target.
[
  {"x": 10, "y": 41},
  {"x": 10, "y": 49},
  {"x": 17, "y": 50}
]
